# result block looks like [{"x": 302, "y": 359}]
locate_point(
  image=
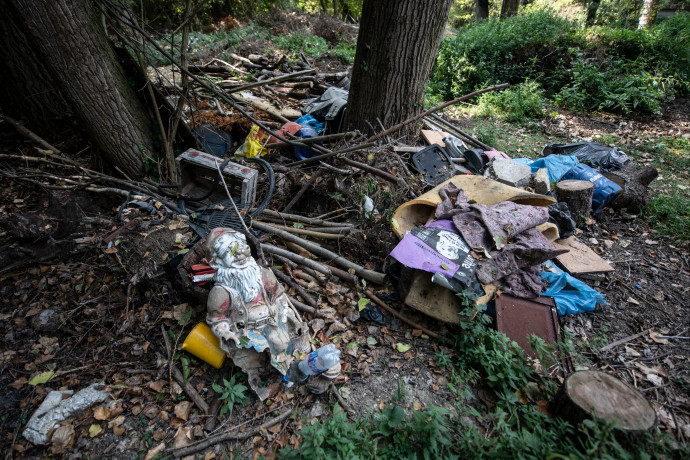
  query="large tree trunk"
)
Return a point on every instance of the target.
[
  {"x": 509, "y": 7},
  {"x": 396, "y": 48},
  {"x": 648, "y": 14},
  {"x": 592, "y": 8},
  {"x": 66, "y": 39},
  {"x": 39, "y": 102},
  {"x": 482, "y": 8}
]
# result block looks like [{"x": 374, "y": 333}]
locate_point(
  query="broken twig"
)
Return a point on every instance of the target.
[
  {"x": 382, "y": 304},
  {"x": 369, "y": 275}
]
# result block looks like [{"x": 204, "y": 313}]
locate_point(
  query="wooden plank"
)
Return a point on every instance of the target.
[
  {"x": 581, "y": 259},
  {"x": 434, "y": 137}
]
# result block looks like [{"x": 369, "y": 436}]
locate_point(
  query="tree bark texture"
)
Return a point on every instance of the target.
[
  {"x": 482, "y": 8},
  {"x": 396, "y": 48},
  {"x": 77, "y": 55},
  {"x": 589, "y": 394},
  {"x": 592, "y": 8},
  {"x": 578, "y": 195},
  {"x": 648, "y": 14},
  {"x": 39, "y": 102},
  {"x": 509, "y": 7},
  {"x": 635, "y": 182}
]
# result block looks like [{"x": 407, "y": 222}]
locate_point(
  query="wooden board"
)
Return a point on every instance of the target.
[
  {"x": 581, "y": 259},
  {"x": 435, "y": 137}
]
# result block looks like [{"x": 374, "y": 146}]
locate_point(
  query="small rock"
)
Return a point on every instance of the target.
[
  {"x": 48, "y": 320},
  {"x": 509, "y": 172},
  {"x": 608, "y": 244},
  {"x": 593, "y": 241},
  {"x": 316, "y": 409},
  {"x": 541, "y": 181}
]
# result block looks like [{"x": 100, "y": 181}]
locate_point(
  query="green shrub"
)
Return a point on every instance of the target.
[
  {"x": 517, "y": 103},
  {"x": 505, "y": 51},
  {"x": 601, "y": 68},
  {"x": 671, "y": 215},
  {"x": 619, "y": 88}
]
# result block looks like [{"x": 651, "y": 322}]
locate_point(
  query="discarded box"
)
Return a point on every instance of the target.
[{"x": 198, "y": 172}]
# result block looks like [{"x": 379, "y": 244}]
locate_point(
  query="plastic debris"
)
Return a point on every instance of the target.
[
  {"x": 571, "y": 295},
  {"x": 213, "y": 140},
  {"x": 55, "y": 409},
  {"x": 559, "y": 214},
  {"x": 437, "y": 248},
  {"x": 556, "y": 165},
  {"x": 598, "y": 156},
  {"x": 253, "y": 145},
  {"x": 307, "y": 119}
]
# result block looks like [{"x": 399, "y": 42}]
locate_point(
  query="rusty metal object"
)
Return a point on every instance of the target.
[{"x": 519, "y": 318}]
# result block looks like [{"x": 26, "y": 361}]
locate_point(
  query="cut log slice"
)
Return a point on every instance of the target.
[
  {"x": 578, "y": 195},
  {"x": 589, "y": 394}
]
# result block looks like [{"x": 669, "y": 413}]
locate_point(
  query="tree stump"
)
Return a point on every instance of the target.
[
  {"x": 578, "y": 195},
  {"x": 589, "y": 394},
  {"x": 635, "y": 182}
]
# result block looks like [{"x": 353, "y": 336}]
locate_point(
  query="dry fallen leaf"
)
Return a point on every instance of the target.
[
  {"x": 117, "y": 421},
  {"x": 654, "y": 335},
  {"x": 62, "y": 439},
  {"x": 95, "y": 430},
  {"x": 183, "y": 409},
  {"x": 155, "y": 451},
  {"x": 101, "y": 413}
]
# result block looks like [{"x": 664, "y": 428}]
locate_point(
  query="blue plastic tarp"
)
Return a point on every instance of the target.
[
  {"x": 556, "y": 165},
  {"x": 570, "y": 294}
]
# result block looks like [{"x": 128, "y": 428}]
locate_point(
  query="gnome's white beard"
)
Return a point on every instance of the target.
[{"x": 246, "y": 280}]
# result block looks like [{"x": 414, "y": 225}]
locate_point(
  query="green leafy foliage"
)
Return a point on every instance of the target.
[
  {"x": 671, "y": 215},
  {"x": 230, "y": 393},
  {"x": 335, "y": 438},
  {"x": 601, "y": 68},
  {"x": 517, "y": 103}
]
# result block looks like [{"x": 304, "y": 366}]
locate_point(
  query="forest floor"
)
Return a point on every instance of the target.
[{"x": 108, "y": 329}]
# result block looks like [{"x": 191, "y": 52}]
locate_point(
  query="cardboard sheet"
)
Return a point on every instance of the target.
[{"x": 581, "y": 259}]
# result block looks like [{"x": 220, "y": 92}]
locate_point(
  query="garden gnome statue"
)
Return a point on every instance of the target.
[{"x": 249, "y": 311}]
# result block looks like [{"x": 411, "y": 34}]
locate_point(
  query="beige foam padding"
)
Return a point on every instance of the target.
[
  {"x": 477, "y": 188},
  {"x": 549, "y": 230}
]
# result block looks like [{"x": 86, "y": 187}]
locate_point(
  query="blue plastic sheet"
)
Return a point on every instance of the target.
[
  {"x": 570, "y": 294},
  {"x": 556, "y": 165},
  {"x": 307, "y": 119}
]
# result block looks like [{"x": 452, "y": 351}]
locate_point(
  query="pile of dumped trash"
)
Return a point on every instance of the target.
[{"x": 494, "y": 229}]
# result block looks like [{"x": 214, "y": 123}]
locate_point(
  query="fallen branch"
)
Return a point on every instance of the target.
[
  {"x": 307, "y": 232},
  {"x": 624, "y": 340},
  {"x": 311, "y": 140},
  {"x": 369, "y": 275},
  {"x": 470, "y": 139},
  {"x": 271, "y": 80},
  {"x": 299, "y": 289},
  {"x": 306, "y": 262},
  {"x": 189, "y": 389},
  {"x": 379, "y": 172},
  {"x": 229, "y": 436},
  {"x": 330, "y": 154},
  {"x": 302, "y": 191},
  {"x": 23, "y": 130},
  {"x": 399, "y": 126},
  {"x": 304, "y": 308},
  {"x": 303, "y": 219},
  {"x": 382, "y": 304}
]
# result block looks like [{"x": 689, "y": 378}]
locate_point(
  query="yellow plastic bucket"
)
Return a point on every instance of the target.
[{"x": 202, "y": 343}]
